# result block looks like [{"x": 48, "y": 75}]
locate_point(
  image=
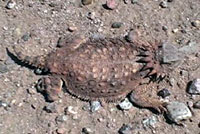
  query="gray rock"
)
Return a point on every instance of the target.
[
  {"x": 11, "y": 4},
  {"x": 171, "y": 53},
  {"x": 125, "y": 104},
  {"x": 117, "y": 24},
  {"x": 125, "y": 129},
  {"x": 194, "y": 87},
  {"x": 26, "y": 37},
  {"x": 163, "y": 4},
  {"x": 3, "y": 104},
  {"x": 165, "y": 28},
  {"x": 150, "y": 122},
  {"x": 178, "y": 111},
  {"x": 91, "y": 15},
  {"x": 164, "y": 93},
  {"x": 50, "y": 108},
  {"x": 94, "y": 106},
  {"x": 61, "y": 118},
  {"x": 86, "y": 2},
  {"x": 196, "y": 23},
  {"x": 132, "y": 35},
  {"x": 190, "y": 48},
  {"x": 87, "y": 130},
  {"x": 197, "y": 104},
  {"x": 3, "y": 68},
  {"x": 134, "y": 1},
  {"x": 38, "y": 71}
]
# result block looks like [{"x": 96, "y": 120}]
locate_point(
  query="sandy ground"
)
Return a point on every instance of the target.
[{"x": 37, "y": 25}]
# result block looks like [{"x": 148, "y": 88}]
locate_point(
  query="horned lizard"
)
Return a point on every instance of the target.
[{"x": 99, "y": 69}]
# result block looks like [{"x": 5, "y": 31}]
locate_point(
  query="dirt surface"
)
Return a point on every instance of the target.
[{"x": 37, "y": 25}]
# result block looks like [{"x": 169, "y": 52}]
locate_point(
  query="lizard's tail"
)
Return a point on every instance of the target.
[{"x": 33, "y": 62}]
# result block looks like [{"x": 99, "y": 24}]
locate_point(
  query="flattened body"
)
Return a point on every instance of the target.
[{"x": 99, "y": 69}]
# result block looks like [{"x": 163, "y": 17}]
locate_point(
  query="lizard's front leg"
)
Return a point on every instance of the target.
[{"x": 50, "y": 86}]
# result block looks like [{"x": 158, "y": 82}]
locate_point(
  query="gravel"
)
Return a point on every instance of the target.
[
  {"x": 194, "y": 87},
  {"x": 3, "y": 104},
  {"x": 50, "y": 108},
  {"x": 86, "y": 2},
  {"x": 178, "y": 111},
  {"x": 196, "y": 23},
  {"x": 117, "y": 24},
  {"x": 197, "y": 104},
  {"x": 61, "y": 118},
  {"x": 125, "y": 129},
  {"x": 164, "y": 93},
  {"x": 26, "y": 37},
  {"x": 11, "y": 4},
  {"x": 150, "y": 122},
  {"x": 95, "y": 106},
  {"x": 87, "y": 130},
  {"x": 164, "y": 4},
  {"x": 125, "y": 104}
]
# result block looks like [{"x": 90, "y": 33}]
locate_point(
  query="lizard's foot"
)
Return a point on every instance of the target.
[
  {"x": 143, "y": 100},
  {"x": 50, "y": 87}
]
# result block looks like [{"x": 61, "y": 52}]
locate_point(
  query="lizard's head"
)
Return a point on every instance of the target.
[{"x": 158, "y": 61}]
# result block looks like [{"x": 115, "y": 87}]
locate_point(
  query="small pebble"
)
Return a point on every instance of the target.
[
  {"x": 131, "y": 36},
  {"x": 50, "y": 108},
  {"x": 94, "y": 106},
  {"x": 111, "y": 4},
  {"x": 72, "y": 28},
  {"x": 86, "y": 2},
  {"x": 194, "y": 87},
  {"x": 38, "y": 71},
  {"x": 3, "y": 104},
  {"x": 11, "y": 4},
  {"x": 197, "y": 104},
  {"x": 170, "y": 0},
  {"x": 61, "y": 131},
  {"x": 26, "y": 37},
  {"x": 178, "y": 111},
  {"x": 196, "y": 23},
  {"x": 164, "y": 28},
  {"x": 164, "y": 4},
  {"x": 117, "y": 24},
  {"x": 175, "y": 30},
  {"x": 171, "y": 53},
  {"x": 71, "y": 110},
  {"x": 91, "y": 15},
  {"x": 125, "y": 129},
  {"x": 134, "y": 1},
  {"x": 61, "y": 118},
  {"x": 125, "y": 104},
  {"x": 150, "y": 122},
  {"x": 87, "y": 130},
  {"x": 164, "y": 93},
  {"x": 126, "y": 1}
]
